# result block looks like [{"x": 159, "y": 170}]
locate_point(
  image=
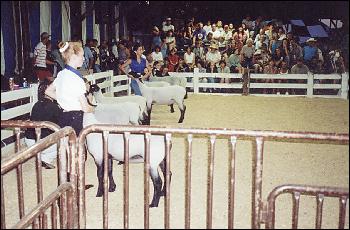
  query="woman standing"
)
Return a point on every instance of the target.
[
  {"x": 69, "y": 87},
  {"x": 137, "y": 64}
]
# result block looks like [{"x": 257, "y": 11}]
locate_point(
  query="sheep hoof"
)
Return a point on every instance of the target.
[
  {"x": 153, "y": 205},
  {"x": 99, "y": 193},
  {"x": 172, "y": 111},
  {"x": 112, "y": 188}
]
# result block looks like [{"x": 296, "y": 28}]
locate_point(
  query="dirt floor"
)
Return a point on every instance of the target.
[{"x": 284, "y": 163}]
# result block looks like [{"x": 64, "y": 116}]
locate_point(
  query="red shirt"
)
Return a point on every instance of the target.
[{"x": 173, "y": 61}]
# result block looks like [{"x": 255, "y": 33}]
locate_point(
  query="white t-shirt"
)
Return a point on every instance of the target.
[
  {"x": 166, "y": 28},
  {"x": 157, "y": 56},
  {"x": 189, "y": 57},
  {"x": 69, "y": 88},
  {"x": 40, "y": 52},
  {"x": 213, "y": 57}
]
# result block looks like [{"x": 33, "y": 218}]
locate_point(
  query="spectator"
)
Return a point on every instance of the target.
[
  {"x": 208, "y": 40},
  {"x": 88, "y": 57},
  {"x": 299, "y": 67},
  {"x": 248, "y": 22},
  {"x": 278, "y": 57},
  {"x": 165, "y": 71},
  {"x": 223, "y": 69},
  {"x": 183, "y": 42},
  {"x": 157, "y": 69},
  {"x": 273, "y": 44},
  {"x": 245, "y": 30},
  {"x": 207, "y": 28},
  {"x": 170, "y": 39},
  {"x": 216, "y": 33},
  {"x": 233, "y": 62},
  {"x": 106, "y": 59},
  {"x": 157, "y": 55},
  {"x": 164, "y": 47},
  {"x": 168, "y": 26},
  {"x": 219, "y": 26},
  {"x": 57, "y": 57},
  {"x": 182, "y": 67},
  {"x": 295, "y": 53},
  {"x": 45, "y": 109},
  {"x": 247, "y": 54},
  {"x": 199, "y": 33},
  {"x": 156, "y": 40},
  {"x": 270, "y": 69},
  {"x": 231, "y": 28},
  {"x": 40, "y": 61},
  {"x": 310, "y": 52},
  {"x": 211, "y": 69},
  {"x": 189, "y": 58},
  {"x": 96, "y": 53},
  {"x": 213, "y": 56},
  {"x": 227, "y": 34},
  {"x": 258, "y": 62},
  {"x": 198, "y": 51},
  {"x": 173, "y": 60}
]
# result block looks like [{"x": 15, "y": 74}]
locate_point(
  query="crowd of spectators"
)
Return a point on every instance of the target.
[{"x": 255, "y": 45}]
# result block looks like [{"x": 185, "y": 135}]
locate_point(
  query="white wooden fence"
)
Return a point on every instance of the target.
[{"x": 111, "y": 84}]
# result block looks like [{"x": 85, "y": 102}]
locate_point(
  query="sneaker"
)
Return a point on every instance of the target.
[
  {"x": 287, "y": 93},
  {"x": 47, "y": 165},
  {"x": 278, "y": 93}
]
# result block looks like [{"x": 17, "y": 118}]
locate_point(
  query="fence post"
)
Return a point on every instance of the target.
[
  {"x": 34, "y": 97},
  {"x": 310, "y": 84},
  {"x": 344, "y": 85},
  {"x": 129, "y": 88},
  {"x": 195, "y": 81}
]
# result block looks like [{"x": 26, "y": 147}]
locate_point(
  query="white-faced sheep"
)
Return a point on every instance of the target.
[
  {"x": 136, "y": 105},
  {"x": 116, "y": 152},
  {"x": 163, "y": 95}
]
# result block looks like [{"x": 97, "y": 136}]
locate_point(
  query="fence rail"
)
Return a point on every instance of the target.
[
  {"x": 259, "y": 137},
  {"x": 113, "y": 84}
]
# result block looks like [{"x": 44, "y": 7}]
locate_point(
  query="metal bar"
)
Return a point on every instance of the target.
[
  {"x": 43, "y": 206},
  {"x": 70, "y": 215},
  {"x": 105, "y": 179},
  {"x": 3, "y": 219},
  {"x": 44, "y": 220},
  {"x": 35, "y": 224},
  {"x": 210, "y": 182},
  {"x": 295, "y": 217},
  {"x": 257, "y": 183},
  {"x": 39, "y": 178},
  {"x": 63, "y": 211},
  {"x": 342, "y": 211},
  {"x": 319, "y": 199},
  {"x": 167, "y": 181},
  {"x": 231, "y": 183},
  {"x": 81, "y": 182},
  {"x": 146, "y": 181},
  {"x": 73, "y": 178},
  {"x": 188, "y": 183},
  {"x": 19, "y": 177},
  {"x": 54, "y": 216},
  {"x": 126, "y": 179}
]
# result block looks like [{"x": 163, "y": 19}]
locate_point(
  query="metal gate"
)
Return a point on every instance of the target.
[
  {"x": 66, "y": 191},
  {"x": 259, "y": 206}
]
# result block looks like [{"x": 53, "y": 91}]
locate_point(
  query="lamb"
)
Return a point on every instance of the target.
[
  {"x": 162, "y": 95},
  {"x": 116, "y": 152},
  {"x": 136, "y": 105}
]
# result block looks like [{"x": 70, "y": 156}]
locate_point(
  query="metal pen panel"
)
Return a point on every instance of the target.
[
  {"x": 210, "y": 181},
  {"x": 126, "y": 179},
  {"x": 146, "y": 180},
  {"x": 188, "y": 183},
  {"x": 231, "y": 184}
]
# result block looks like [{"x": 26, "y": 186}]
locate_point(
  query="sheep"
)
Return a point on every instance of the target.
[
  {"x": 135, "y": 104},
  {"x": 162, "y": 95},
  {"x": 116, "y": 152},
  {"x": 157, "y": 83}
]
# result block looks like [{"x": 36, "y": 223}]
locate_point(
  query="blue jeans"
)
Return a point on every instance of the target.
[{"x": 135, "y": 87}]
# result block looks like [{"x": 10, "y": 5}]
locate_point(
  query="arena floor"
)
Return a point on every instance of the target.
[{"x": 284, "y": 162}]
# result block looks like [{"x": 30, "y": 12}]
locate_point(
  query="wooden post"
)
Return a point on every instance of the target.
[
  {"x": 310, "y": 84},
  {"x": 195, "y": 80},
  {"x": 344, "y": 85}
]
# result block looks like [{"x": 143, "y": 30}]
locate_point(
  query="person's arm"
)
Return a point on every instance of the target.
[
  {"x": 85, "y": 106},
  {"x": 51, "y": 91},
  {"x": 122, "y": 68}
]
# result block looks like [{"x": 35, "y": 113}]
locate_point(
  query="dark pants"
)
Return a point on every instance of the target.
[{"x": 73, "y": 119}]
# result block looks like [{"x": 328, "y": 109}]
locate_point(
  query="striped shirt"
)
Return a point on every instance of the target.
[{"x": 40, "y": 53}]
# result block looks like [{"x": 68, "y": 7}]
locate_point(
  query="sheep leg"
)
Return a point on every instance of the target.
[
  {"x": 112, "y": 184},
  {"x": 172, "y": 108},
  {"x": 182, "y": 114},
  {"x": 162, "y": 166},
  {"x": 100, "y": 180},
  {"x": 157, "y": 186},
  {"x": 149, "y": 111}
]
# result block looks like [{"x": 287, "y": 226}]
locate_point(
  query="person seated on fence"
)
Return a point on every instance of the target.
[
  {"x": 69, "y": 88},
  {"x": 137, "y": 64},
  {"x": 45, "y": 109}
]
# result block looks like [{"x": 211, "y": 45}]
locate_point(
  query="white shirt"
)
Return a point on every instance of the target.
[
  {"x": 115, "y": 51},
  {"x": 69, "y": 88},
  {"x": 166, "y": 28},
  {"x": 40, "y": 52},
  {"x": 189, "y": 58},
  {"x": 213, "y": 57},
  {"x": 157, "y": 56},
  {"x": 216, "y": 34}
]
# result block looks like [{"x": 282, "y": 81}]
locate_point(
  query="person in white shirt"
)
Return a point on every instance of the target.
[
  {"x": 40, "y": 61},
  {"x": 213, "y": 56},
  {"x": 168, "y": 26},
  {"x": 157, "y": 55},
  {"x": 189, "y": 58},
  {"x": 69, "y": 88},
  {"x": 216, "y": 33}
]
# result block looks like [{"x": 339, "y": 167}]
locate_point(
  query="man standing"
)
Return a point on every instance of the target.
[{"x": 40, "y": 62}]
